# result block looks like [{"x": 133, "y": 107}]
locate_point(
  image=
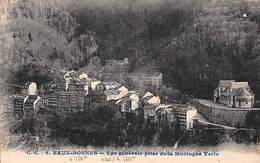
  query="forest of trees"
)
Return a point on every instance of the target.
[{"x": 194, "y": 43}]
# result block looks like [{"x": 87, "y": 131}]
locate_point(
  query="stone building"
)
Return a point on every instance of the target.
[
  {"x": 185, "y": 115},
  {"x": 31, "y": 105},
  {"x": 176, "y": 113},
  {"x": 124, "y": 104},
  {"x": 64, "y": 101},
  {"x": 149, "y": 113},
  {"x": 111, "y": 85},
  {"x": 234, "y": 94},
  {"x": 51, "y": 100},
  {"x": 96, "y": 97},
  {"x": 128, "y": 103},
  {"x": 18, "y": 107},
  {"x": 149, "y": 99},
  {"x": 116, "y": 94}
]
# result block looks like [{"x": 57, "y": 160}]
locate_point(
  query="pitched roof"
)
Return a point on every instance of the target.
[
  {"x": 131, "y": 94},
  {"x": 154, "y": 99},
  {"x": 236, "y": 85},
  {"x": 242, "y": 92},
  {"x": 122, "y": 100},
  {"x": 225, "y": 83},
  {"x": 123, "y": 88},
  {"x": 232, "y": 84}
]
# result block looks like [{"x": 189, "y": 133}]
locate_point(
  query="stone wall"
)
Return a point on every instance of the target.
[{"x": 224, "y": 116}]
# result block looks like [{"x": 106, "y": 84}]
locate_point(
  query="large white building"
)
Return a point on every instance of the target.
[
  {"x": 150, "y": 99},
  {"x": 116, "y": 94}
]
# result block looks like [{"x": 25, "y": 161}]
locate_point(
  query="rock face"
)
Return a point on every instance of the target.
[
  {"x": 95, "y": 61},
  {"x": 41, "y": 33}
]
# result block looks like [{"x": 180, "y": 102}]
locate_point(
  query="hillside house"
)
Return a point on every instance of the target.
[
  {"x": 96, "y": 97},
  {"x": 149, "y": 113},
  {"x": 171, "y": 114},
  {"x": 185, "y": 114},
  {"x": 234, "y": 94},
  {"x": 111, "y": 85},
  {"x": 147, "y": 94},
  {"x": 128, "y": 103},
  {"x": 124, "y": 104},
  {"x": 116, "y": 94},
  {"x": 134, "y": 100}
]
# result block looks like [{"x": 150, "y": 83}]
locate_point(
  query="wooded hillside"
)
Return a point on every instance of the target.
[{"x": 194, "y": 43}]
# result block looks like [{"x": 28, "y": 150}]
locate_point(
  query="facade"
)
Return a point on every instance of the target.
[
  {"x": 70, "y": 101},
  {"x": 134, "y": 100},
  {"x": 113, "y": 95},
  {"x": 116, "y": 94},
  {"x": 45, "y": 101},
  {"x": 52, "y": 101},
  {"x": 185, "y": 115},
  {"x": 111, "y": 85},
  {"x": 18, "y": 107},
  {"x": 234, "y": 94},
  {"x": 125, "y": 104},
  {"x": 95, "y": 98},
  {"x": 67, "y": 101},
  {"x": 171, "y": 118},
  {"x": 128, "y": 103},
  {"x": 64, "y": 101},
  {"x": 149, "y": 113},
  {"x": 30, "y": 106},
  {"x": 176, "y": 113},
  {"x": 165, "y": 115}
]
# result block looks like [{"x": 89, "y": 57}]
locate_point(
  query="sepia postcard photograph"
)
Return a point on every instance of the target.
[{"x": 125, "y": 81}]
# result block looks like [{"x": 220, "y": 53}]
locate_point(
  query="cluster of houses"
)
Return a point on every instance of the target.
[
  {"x": 79, "y": 92},
  {"x": 118, "y": 70}
]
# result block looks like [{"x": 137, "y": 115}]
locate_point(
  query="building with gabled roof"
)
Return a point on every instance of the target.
[
  {"x": 30, "y": 106},
  {"x": 94, "y": 99},
  {"x": 111, "y": 85},
  {"x": 234, "y": 94},
  {"x": 185, "y": 114},
  {"x": 147, "y": 94},
  {"x": 116, "y": 94}
]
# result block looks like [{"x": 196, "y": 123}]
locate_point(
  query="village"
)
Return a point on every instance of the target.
[{"x": 79, "y": 92}]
